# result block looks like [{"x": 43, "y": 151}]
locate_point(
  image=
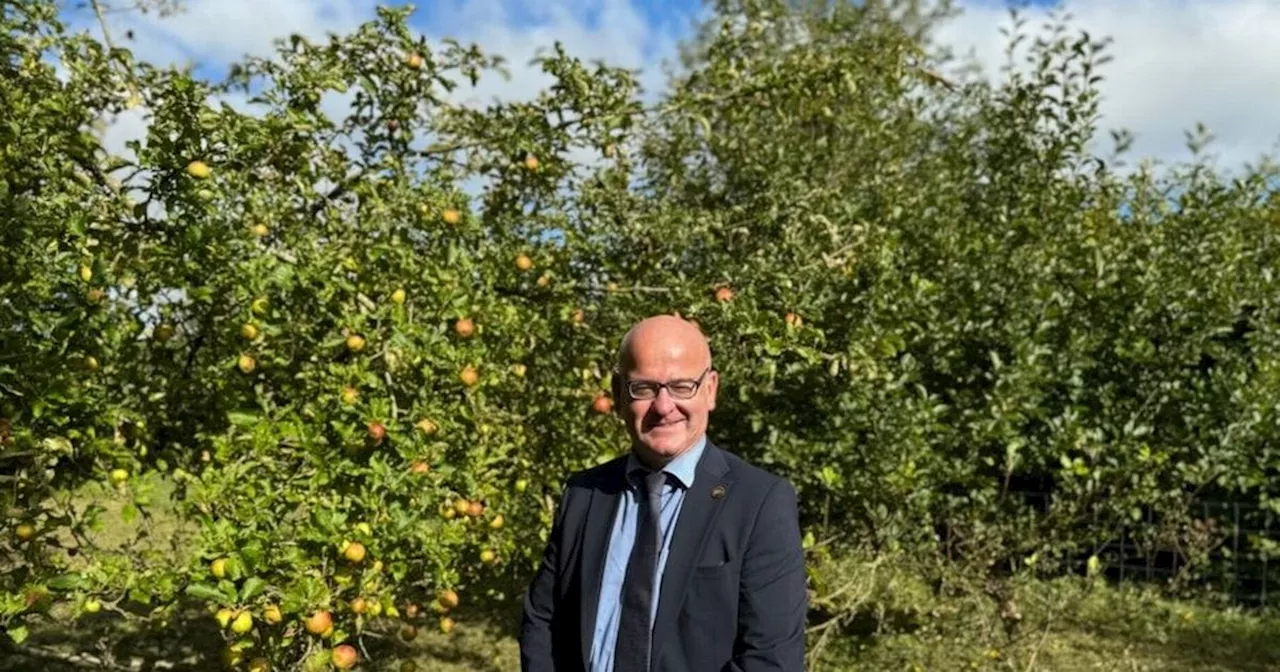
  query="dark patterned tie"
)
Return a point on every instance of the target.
[{"x": 631, "y": 654}]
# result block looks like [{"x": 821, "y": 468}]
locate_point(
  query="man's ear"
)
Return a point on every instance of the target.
[
  {"x": 712, "y": 384},
  {"x": 616, "y": 387}
]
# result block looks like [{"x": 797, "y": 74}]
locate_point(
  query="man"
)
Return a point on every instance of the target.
[{"x": 679, "y": 556}]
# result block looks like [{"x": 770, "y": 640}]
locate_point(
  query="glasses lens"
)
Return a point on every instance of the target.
[
  {"x": 683, "y": 389},
  {"x": 643, "y": 390}
]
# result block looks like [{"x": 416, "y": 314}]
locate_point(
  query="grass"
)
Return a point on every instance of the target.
[{"x": 879, "y": 614}]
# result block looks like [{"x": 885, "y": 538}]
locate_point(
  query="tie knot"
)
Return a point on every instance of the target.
[{"x": 653, "y": 480}]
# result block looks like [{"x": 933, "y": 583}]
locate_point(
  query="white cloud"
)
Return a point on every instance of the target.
[{"x": 1176, "y": 63}]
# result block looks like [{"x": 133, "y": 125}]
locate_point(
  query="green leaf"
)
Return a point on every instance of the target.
[
  {"x": 69, "y": 582},
  {"x": 241, "y": 419},
  {"x": 205, "y": 592},
  {"x": 18, "y": 634},
  {"x": 253, "y": 586}
]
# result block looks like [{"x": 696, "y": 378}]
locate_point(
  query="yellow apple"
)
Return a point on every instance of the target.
[
  {"x": 243, "y": 623},
  {"x": 198, "y": 169}
]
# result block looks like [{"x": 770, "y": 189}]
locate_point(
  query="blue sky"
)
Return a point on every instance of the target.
[{"x": 1177, "y": 62}]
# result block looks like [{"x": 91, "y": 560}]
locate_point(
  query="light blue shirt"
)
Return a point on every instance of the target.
[{"x": 609, "y": 611}]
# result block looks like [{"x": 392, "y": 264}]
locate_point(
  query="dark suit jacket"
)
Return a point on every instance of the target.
[{"x": 733, "y": 595}]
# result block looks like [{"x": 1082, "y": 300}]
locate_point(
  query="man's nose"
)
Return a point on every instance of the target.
[{"x": 663, "y": 403}]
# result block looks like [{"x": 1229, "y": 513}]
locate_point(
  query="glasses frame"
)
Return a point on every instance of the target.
[{"x": 627, "y": 384}]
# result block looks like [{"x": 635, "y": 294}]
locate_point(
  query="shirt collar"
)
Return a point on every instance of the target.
[{"x": 683, "y": 467}]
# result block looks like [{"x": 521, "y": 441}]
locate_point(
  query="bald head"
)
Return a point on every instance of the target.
[{"x": 663, "y": 336}]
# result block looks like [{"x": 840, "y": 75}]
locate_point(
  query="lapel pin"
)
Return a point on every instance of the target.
[{"x": 717, "y": 492}]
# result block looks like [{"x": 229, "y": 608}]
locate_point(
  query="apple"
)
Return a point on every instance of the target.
[
  {"x": 232, "y": 657},
  {"x": 579, "y": 316},
  {"x": 497, "y": 522},
  {"x": 349, "y": 395},
  {"x": 259, "y": 306},
  {"x": 272, "y": 615},
  {"x": 260, "y": 230},
  {"x": 359, "y": 606},
  {"x": 462, "y": 506},
  {"x": 91, "y": 363},
  {"x": 523, "y": 262},
  {"x": 408, "y": 633},
  {"x": 475, "y": 509},
  {"x": 446, "y": 625},
  {"x": 544, "y": 280},
  {"x": 355, "y": 343},
  {"x": 92, "y": 606},
  {"x": 451, "y": 216},
  {"x": 224, "y": 617},
  {"x": 426, "y": 426},
  {"x": 724, "y": 294},
  {"x": 531, "y": 162},
  {"x": 163, "y": 332},
  {"x": 344, "y": 656},
  {"x": 611, "y": 287},
  {"x": 602, "y": 404},
  {"x": 38, "y": 599},
  {"x": 464, "y": 327},
  {"x": 246, "y": 364},
  {"x": 793, "y": 320},
  {"x": 243, "y": 623},
  {"x": 86, "y": 272},
  {"x": 377, "y": 432},
  {"x": 119, "y": 476},
  {"x": 398, "y": 297},
  {"x": 522, "y": 485},
  {"x": 219, "y": 567},
  {"x": 354, "y": 552},
  {"x": 249, "y": 331},
  {"x": 198, "y": 169},
  {"x": 487, "y": 556},
  {"x": 319, "y": 623},
  {"x": 448, "y": 599},
  {"x": 519, "y": 370},
  {"x": 469, "y": 377},
  {"x": 415, "y": 60},
  {"x": 420, "y": 467},
  {"x": 411, "y": 610},
  {"x": 25, "y": 532}
]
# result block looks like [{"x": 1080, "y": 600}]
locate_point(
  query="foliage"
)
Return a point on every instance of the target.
[{"x": 365, "y": 347}]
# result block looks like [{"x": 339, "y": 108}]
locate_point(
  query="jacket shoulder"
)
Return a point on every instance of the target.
[
  {"x": 601, "y": 474},
  {"x": 753, "y": 475}
]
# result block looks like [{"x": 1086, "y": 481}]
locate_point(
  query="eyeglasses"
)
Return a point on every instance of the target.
[{"x": 643, "y": 390}]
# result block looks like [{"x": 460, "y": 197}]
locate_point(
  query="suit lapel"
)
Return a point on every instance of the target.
[
  {"x": 697, "y": 514},
  {"x": 605, "y": 498}
]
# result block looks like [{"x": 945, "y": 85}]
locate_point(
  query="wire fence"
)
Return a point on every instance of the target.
[{"x": 1232, "y": 565}]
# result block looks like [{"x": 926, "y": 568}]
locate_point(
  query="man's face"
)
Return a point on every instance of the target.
[{"x": 662, "y": 423}]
